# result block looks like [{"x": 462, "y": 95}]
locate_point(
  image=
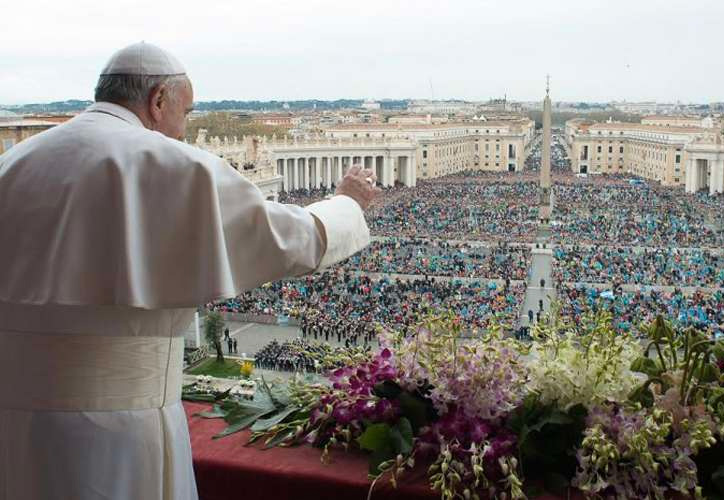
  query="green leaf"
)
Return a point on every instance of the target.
[
  {"x": 205, "y": 398},
  {"x": 707, "y": 373},
  {"x": 387, "y": 389},
  {"x": 578, "y": 412},
  {"x": 278, "y": 438},
  {"x": 646, "y": 365},
  {"x": 216, "y": 412},
  {"x": 241, "y": 411},
  {"x": 386, "y": 452},
  {"x": 401, "y": 436},
  {"x": 414, "y": 409},
  {"x": 555, "y": 417},
  {"x": 264, "y": 424},
  {"x": 375, "y": 437},
  {"x": 643, "y": 395},
  {"x": 240, "y": 424},
  {"x": 222, "y": 395}
]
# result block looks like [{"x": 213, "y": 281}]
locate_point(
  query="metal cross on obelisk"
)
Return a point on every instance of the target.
[{"x": 545, "y": 171}]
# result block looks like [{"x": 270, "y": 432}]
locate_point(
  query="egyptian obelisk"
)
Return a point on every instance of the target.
[{"x": 545, "y": 170}]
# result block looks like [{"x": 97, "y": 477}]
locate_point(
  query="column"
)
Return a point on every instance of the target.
[
  {"x": 328, "y": 172},
  {"x": 341, "y": 167},
  {"x": 412, "y": 170},
  {"x": 318, "y": 172},
  {"x": 287, "y": 175},
  {"x": 297, "y": 173},
  {"x": 408, "y": 171},
  {"x": 716, "y": 181},
  {"x": 284, "y": 174},
  {"x": 690, "y": 176},
  {"x": 307, "y": 173},
  {"x": 390, "y": 180},
  {"x": 702, "y": 169}
]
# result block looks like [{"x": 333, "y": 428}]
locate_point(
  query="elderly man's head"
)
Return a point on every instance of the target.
[{"x": 150, "y": 82}]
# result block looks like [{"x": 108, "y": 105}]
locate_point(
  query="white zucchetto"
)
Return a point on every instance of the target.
[{"x": 143, "y": 59}]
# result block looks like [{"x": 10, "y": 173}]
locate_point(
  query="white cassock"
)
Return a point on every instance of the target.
[{"x": 110, "y": 236}]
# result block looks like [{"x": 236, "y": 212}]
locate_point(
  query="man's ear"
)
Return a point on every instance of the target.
[{"x": 157, "y": 100}]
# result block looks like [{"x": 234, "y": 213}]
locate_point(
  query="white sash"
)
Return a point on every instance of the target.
[{"x": 61, "y": 372}]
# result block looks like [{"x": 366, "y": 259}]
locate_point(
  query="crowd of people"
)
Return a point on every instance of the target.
[
  {"x": 301, "y": 355},
  {"x": 461, "y": 208},
  {"x": 559, "y": 158},
  {"x": 342, "y": 303},
  {"x": 640, "y": 266},
  {"x": 323, "y": 327},
  {"x": 606, "y": 212},
  {"x": 608, "y": 229},
  {"x": 629, "y": 309},
  {"x": 441, "y": 258}
]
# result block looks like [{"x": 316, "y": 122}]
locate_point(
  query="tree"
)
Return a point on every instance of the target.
[
  {"x": 213, "y": 326},
  {"x": 221, "y": 124}
]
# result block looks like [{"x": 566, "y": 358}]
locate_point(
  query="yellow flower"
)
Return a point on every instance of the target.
[{"x": 246, "y": 368}]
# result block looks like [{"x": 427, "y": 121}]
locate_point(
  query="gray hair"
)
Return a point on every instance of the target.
[{"x": 132, "y": 89}]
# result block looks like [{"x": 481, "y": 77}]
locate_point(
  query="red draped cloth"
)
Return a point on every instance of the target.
[{"x": 227, "y": 470}]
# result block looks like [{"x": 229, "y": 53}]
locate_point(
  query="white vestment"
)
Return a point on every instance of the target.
[{"x": 110, "y": 236}]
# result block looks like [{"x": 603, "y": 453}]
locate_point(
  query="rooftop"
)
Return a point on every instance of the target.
[
  {"x": 427, "y": 126},
  {"x": 26, "y": 123},
  {"x": 638, "y": 126}
]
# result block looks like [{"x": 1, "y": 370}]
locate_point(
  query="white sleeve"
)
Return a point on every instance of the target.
[{"x": 344, "y": 223}]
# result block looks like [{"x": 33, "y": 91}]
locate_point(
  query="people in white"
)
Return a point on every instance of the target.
[{"x": 112, "y": 232}]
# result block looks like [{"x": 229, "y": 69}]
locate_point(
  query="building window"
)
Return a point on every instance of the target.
[
  {"x": 598, "y": 149},
  {"x": 678, "y": 158},
  {"x": 620, "y": 150},
  {"x": 610, "y": 149},
  {"x": 424, "y": 153}
]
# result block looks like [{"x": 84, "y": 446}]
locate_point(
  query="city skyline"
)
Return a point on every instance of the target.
[{"x": 597, "y": 52}]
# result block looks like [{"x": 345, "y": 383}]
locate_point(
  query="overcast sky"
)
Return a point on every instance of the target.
[{"x": 598, "y": 50}]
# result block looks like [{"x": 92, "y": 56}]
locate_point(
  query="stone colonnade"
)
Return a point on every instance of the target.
[
  {"x": 703, "y": 172},
  {"x": 313, "y": 172}
]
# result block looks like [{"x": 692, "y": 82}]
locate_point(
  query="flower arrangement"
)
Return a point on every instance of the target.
[
  {"x": 490, "y": 417},
  {"x": 587, "y": 363}
]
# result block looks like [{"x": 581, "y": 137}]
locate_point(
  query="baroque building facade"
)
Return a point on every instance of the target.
[
  {"x": 446, "y": 148},
  {"x": 397, "y": 153},
  {"x": 665, "y": 151},
  {"x": 285, "y": 164}
]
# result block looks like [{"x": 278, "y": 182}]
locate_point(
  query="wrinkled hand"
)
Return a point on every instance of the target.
[{"x": 355, "y": 184}]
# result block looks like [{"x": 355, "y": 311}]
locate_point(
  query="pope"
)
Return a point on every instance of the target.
[{"x": 113, "y": 231}]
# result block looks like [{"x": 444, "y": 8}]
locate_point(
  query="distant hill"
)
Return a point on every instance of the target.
[
  {"x": 76, "y": 105},
  {"x": 293, "y": 105},
  {"x": 50, "y": 107}
]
